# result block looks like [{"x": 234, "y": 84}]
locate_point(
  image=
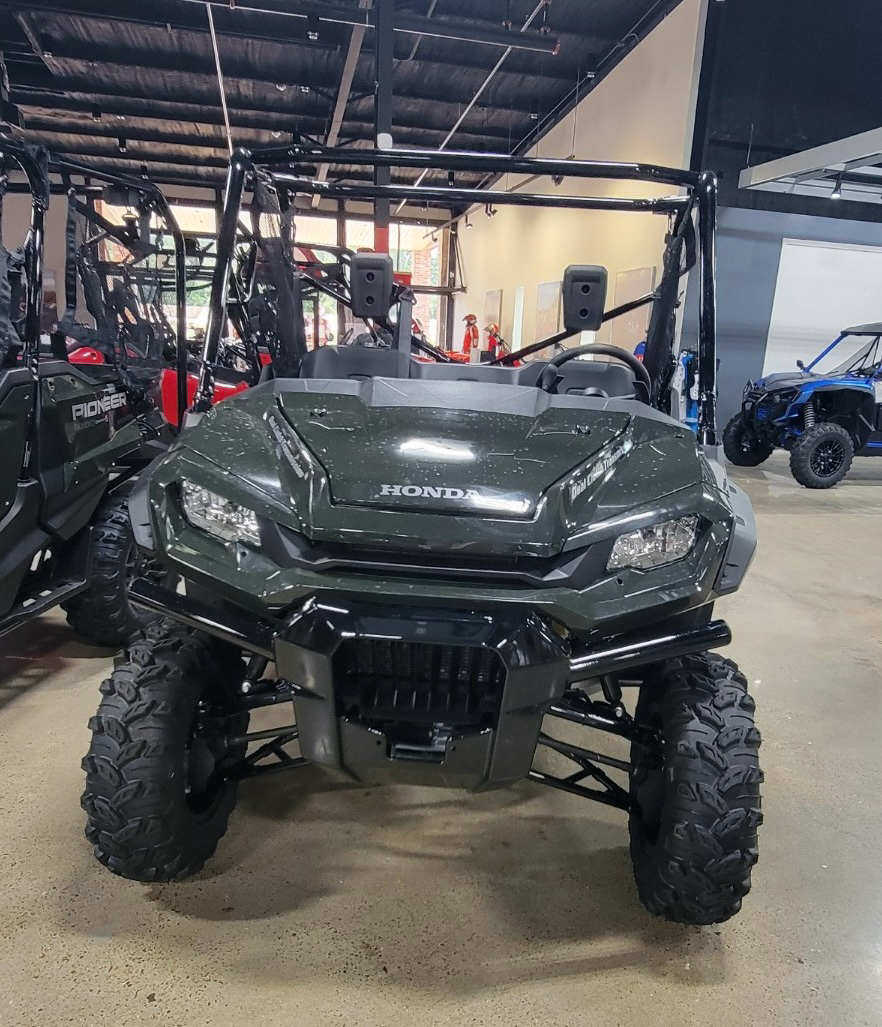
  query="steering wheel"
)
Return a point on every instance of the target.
[{"x": 548, "y": 378}]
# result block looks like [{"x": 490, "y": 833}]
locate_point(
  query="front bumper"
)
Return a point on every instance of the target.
[
  {"x": 454, "y": 699},
  {"x": 451, "y": 698}
]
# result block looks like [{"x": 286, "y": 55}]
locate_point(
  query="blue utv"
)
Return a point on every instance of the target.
[{"x": 823, "y": 415}]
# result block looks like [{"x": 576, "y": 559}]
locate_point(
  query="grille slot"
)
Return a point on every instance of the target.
[{"x": 380, "y": 680}]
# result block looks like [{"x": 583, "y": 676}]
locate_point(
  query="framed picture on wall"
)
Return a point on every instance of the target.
[
  {"x": 547, "y": 310},
  {"x": 492, "y": 308},
  {"x": 50, "y": 302},
  {"x": 629, "y": 330}
]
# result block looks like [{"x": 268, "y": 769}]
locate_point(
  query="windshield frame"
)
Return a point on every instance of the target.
[{"x": 293, "y": 168}]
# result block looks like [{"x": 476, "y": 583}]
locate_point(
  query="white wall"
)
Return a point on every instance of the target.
[
  {"x": 16, "y": 221},
  {"x": 822, "y": 287},
  {"x": 642, "y": 111}
]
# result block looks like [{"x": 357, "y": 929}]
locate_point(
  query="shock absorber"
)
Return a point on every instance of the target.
[{"x": 808, "y": 414}]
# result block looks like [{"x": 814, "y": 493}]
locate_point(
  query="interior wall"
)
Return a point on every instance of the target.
[
  {"x": 16, "y": 222},
  {"x": 772, "y": 87},
  {"x": 642, "y": 111},
  {"x": 749, "y": 246}
]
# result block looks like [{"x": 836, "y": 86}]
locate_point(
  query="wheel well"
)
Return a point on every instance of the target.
[{"x": 852, "y": 409}]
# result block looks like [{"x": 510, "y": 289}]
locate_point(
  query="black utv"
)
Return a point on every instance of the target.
[
  {"x": 430, "y": 564},
  {"x": 78, "y": 407}
]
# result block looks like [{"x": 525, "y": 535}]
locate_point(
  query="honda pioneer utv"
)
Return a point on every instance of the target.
[
  {"x": 434, "y": 563},
  {"x": 824, "y": 414},
  {"x": 77, "y": 410}
]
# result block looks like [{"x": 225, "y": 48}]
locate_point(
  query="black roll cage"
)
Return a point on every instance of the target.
[
  {"x": 289, "y": 165},
  {"x": 66, "y": 167}
]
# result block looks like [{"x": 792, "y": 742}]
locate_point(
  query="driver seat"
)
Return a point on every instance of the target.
[
  {"x": 358, "y": 362},
  {"x": 609, "y": 380}
]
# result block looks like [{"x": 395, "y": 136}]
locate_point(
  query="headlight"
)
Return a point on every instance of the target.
[
  {"x": 784, "y": 396},
  {"x": 218, "y": 516},
  {"x": 656, "y": 545}
]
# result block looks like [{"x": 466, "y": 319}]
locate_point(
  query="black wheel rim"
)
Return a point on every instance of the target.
[
  {"x": 205, "y": 757},
  {"x": 827, "y": 458},
  {"x": 648, "y": 786},
  {"x": 140, "y": 565}
]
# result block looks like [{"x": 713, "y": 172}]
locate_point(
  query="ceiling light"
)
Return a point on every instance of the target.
[
  {"x": 837, "y": 189},
  {"x": 281, "y": 86},
  {"x": 121, "y": 143},
  {"x": 304, "y": 89},
  {"x": 96, "y": 113},
  {"x": 468, "y": 223},
  {"x": 312, "y": 27},
  {"x": 490, "y": 210},
  {"x": 276, "y": 134}
]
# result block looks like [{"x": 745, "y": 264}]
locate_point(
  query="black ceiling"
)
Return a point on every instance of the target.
[{"x": 126, "y": 85}]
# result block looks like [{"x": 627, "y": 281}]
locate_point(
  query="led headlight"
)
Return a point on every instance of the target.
[
  {"x": 218, "y": 516},
  {"x": 656, "y": 545}
]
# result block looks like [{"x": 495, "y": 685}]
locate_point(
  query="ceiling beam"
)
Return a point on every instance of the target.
[
  {"x": 237, "y": 65},
  {"x": 43, "y": 129},
  {"x": 30, "y": 76},
  {"x": 455, "y": 29},
  {"x": 353, "y": 52},
  {"x": 121, "y": 116}
]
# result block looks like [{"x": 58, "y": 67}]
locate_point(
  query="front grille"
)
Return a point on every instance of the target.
[{"x": 380, "y": 680}]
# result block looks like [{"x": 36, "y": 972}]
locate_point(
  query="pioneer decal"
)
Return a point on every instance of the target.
[
  {"x": 598, "y": 469},
  {"x": 97, "y": 407},
  {"x": 292, "y": 455}
]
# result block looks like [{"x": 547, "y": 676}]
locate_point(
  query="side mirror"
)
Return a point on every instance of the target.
[
  {"x": 583, "y": 297},
  {"x": 800, "y": 365},
  {"x": 370, "y": 284}
]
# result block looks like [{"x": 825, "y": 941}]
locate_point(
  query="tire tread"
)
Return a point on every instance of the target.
[{"x": 699, "y": 869}]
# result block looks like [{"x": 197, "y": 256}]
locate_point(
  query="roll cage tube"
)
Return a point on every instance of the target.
[
  {"x": 288, "y": 166},
  {"x": 34, "y": 164},
  {"x": 163, "y": 208}
]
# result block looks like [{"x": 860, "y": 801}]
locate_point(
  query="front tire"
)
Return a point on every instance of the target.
[
  {"x": 102, "y": 613},
  {"x": 695, "y": 796},
  {"x": 156, "y": 795},
  {"x": 821, "y": 456},
  {"x": 742, "y": 447}
]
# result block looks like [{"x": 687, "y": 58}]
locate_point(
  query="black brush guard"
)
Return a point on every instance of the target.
[{"x": 431, "y": 696}]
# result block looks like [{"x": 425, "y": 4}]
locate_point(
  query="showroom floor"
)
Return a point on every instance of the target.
[{"x": 333, "y": 904}]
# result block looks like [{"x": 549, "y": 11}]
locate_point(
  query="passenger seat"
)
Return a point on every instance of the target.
[{"x": 359, "y": 362}]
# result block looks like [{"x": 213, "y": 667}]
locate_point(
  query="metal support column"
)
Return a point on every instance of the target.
[
  {"x": 341, "y": 242},
  {"x": 385, "y": 24},
  {"x": 707, "y": 326}
]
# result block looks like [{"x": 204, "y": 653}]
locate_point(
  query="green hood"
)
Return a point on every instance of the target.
[
  {"x": 466, "y": 459},
  {"x": 423, "y": 465}
]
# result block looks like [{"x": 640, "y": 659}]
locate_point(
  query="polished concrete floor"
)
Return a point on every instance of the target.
[{"x": 329, "y": 904}]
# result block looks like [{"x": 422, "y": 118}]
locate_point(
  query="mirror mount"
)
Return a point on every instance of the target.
[
  {"x": 583, "y": 297},
  {"x": 371, "y": 284}
]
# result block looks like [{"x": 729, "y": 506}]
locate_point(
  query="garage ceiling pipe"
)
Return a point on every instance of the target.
[
  {"x": 220, "y": 79},
  {"x": 540, "y": 6},
  {"x": 414, "y": 25},
  {"x": 343, "y": 93}
]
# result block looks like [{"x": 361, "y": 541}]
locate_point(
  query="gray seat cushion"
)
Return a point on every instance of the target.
[{"x": 354, "y": 362}]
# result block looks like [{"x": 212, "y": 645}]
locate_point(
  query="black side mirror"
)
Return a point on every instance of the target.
[
  {"x": 800, "y": 365},
  {"x": 583, "y": 297},
  {"x": 370, "y": 284}
]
